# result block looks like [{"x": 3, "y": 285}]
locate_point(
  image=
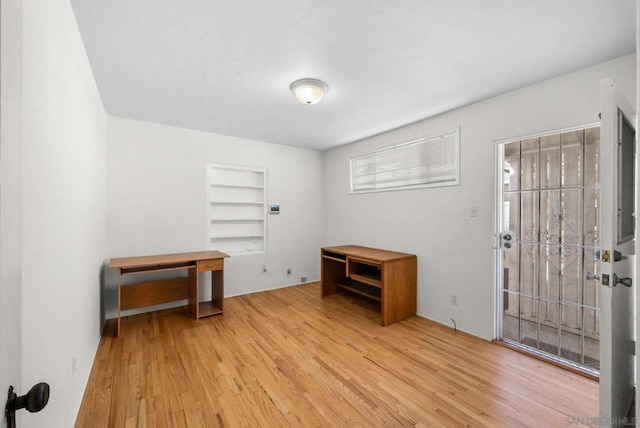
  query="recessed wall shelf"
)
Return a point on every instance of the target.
[{"x": 237, "y": 213}]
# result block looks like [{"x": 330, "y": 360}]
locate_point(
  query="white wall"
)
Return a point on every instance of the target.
[
  {"x": 63, "y": 211},
  {"x": 157, "y": 201},
  {"x": 53, "y": 231},
  {"x": 455, "y": 252},
  {"x": 10, "y": 197}
]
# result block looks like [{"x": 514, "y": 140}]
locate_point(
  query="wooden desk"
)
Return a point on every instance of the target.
[
  {"x": 388, "y": 277},
  {"x": 172, "y": 289}
]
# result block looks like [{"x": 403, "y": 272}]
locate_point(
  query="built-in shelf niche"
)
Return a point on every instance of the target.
[{"x": 237, "y": 210}]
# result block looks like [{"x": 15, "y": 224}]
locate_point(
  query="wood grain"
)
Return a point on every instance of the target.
[
  {"x": 356, "y": 269},
  {"x": 367, "y": 253},
  {"x": 153, "y": 293},
  {"x": 163, "y": 259},
  {"x": 289, "y": 358}
]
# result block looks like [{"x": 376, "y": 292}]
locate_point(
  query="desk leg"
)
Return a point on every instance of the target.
[
  {"x": 217, "y": 288},
  {"x": 117, "y": 334},
  {"x": 194, "y": 292},
  {"x": 331, "y": 273}
]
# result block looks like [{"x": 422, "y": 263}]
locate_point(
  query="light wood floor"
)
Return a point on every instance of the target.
[{"x": 289, "y": 358}]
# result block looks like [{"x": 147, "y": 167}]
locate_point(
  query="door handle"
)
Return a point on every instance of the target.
[
  {"x": 505, "y": 240},
  {"x": 592, "y": 277},
  {"x": 34, "y": 401},
  {"x": 627, "y": 282}
]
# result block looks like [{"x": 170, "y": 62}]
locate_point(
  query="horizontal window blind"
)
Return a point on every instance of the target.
[{"x": 421, "y": 163}]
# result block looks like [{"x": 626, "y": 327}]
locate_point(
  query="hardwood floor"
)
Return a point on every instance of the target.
[{"x": 289, "y": 358}]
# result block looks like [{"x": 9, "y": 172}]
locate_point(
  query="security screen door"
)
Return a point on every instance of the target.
[{"x": 550, "y": 193}]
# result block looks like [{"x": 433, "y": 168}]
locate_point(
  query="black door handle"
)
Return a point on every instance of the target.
[{"x": 33, "y": 401}]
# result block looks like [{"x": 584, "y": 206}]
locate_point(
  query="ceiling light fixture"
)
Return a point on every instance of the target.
[{"x": 309, "y": 91}]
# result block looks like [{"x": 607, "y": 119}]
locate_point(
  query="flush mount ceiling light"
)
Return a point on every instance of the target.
[{"x": 309, "y": 91}]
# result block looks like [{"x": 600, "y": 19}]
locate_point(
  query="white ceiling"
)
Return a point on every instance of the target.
[{"x": 225, "y": 66}]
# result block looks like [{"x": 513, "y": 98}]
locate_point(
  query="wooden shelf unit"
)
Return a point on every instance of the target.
[
  {"x": 143, "y": 294},
  {"x": 388, "y": 277},
  {"x": 369, "y": 291}
]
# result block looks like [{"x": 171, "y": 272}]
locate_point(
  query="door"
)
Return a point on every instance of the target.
[
  {"x": 617, "y": 259},
  {"x": 10, "y": 198},
  {"x": 549, "y": 225}
]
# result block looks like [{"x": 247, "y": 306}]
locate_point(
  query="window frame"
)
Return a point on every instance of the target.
[{"x": 455, "y": 133}]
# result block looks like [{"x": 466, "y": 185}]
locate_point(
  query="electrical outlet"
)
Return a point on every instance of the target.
[
  {"x": 454, "y": 299},
  {"x": 473, "y": 211},
  {"x": 303, "y": 279},
  {"x": 289, "y": 271}
]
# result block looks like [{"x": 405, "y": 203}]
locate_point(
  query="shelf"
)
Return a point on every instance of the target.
[
  {"x": 157, "y": 268},
  {"x": 372, "y": 280},
  {"x": 213, "y": 220},
  {"x": 365, "y": 290},
  {"x": 364, "y": 271},
  {"x": 238, "y": 236},
  {"x": 334, "y": 256},
  {"x": 247, "y": 252},
  {"x": 207, "y": 309},
  {"x": 237, "y": 186},
  {"x": 334, "y": 259},
  {"x": 235, "y": 203}
]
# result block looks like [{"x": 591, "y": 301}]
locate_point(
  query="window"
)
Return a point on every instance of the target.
[
  {"x": 236, "y": 195},
  {"x": 427, "y": 162}
]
